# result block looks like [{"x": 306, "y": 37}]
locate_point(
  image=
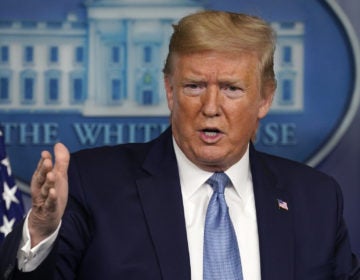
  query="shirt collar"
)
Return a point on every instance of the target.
[{"x": 192, "y": 177}]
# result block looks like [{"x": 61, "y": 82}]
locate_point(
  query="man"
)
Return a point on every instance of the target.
[{"x": 139, "y": 211}]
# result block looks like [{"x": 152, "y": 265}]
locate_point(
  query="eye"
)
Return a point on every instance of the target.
[
  {"x": 194, "y": 88},
  {"x": 232, "y": 91}
]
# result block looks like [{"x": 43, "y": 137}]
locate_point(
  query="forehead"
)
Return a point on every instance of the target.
[{"x": 211, "y": 63}]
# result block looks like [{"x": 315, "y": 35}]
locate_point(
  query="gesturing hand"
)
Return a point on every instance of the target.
[{"x": 49, "y": 193}]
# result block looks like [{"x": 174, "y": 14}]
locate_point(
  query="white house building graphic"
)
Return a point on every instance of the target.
[{"x": 110, "y": 64}]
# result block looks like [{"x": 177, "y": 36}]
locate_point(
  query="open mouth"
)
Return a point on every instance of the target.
[{"x": 211, "y": 132}]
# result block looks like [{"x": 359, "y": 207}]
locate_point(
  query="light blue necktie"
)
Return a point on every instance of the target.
[{"x": 221, "y": 252}]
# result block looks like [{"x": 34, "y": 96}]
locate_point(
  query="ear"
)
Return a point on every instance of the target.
[
  {"x": 169, "y": 92},
  {"x": 267, "y": 95}
]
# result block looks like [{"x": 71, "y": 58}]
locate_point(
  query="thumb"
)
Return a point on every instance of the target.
[{"x": 62, "y": 158}]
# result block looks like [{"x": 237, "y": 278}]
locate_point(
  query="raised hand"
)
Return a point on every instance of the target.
[{"x": 49, "y": 193}]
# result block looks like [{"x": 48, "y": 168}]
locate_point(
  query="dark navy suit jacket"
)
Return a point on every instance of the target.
[{"x": 125, "y": 220}]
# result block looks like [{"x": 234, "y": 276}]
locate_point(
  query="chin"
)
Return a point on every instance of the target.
[{"x": 211, "y": 161}]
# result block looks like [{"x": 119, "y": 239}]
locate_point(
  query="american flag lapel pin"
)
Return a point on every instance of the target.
[{"x": 282, "y": 204}]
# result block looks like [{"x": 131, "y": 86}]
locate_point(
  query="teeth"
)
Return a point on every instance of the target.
[{"x": 210, "y": 133}]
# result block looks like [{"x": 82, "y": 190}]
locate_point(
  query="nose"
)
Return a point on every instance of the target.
[{"x": 211, "y": 102}]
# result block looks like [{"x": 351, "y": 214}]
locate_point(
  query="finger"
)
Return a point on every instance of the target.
[
  {"x": 51, "y": 200},
  {"x": 43, "y": 167},
  {"x": 48, "y": 185},
  {"x": 62, "y": 158},
  {"x": 44, "y": 156}
]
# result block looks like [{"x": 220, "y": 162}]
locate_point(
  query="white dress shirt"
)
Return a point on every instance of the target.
[
  {"x": 30, "y": 258},
  {"x": 196, "y": 195},
  {"x": 240, "y": 200}
]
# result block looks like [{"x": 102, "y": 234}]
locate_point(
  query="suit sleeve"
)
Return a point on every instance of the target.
[
  {"x": 347, "y": 265},
  {"x": 69, "y": 247},
  {"x": 8, "y": 251}
]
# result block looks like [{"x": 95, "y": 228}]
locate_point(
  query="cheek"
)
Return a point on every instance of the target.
[
  {"x": 185, "y": 107},
  {"x": 243, "y": 120}
]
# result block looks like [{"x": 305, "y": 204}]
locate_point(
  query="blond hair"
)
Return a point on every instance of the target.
[{"x": 224, "y": 32}]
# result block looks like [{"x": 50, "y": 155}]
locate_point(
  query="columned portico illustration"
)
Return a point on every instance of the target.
[
  {"x": 128, "y": 45},
  {"x": 109, "y": 63}
]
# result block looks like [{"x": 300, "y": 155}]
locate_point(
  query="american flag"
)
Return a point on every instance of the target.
[{"x": 11, "y": 205}]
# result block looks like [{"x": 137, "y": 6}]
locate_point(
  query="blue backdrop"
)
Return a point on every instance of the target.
[{"x": 68, "y": 73}]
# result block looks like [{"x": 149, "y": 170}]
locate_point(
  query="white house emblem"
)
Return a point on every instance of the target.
[{"x": 96, "y": 79}]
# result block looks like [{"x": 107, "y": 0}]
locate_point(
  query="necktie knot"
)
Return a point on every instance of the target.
[{"x": 218, "y": 181}]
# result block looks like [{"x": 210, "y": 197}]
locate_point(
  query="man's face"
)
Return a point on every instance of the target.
[{"x": 215, "y": 102}]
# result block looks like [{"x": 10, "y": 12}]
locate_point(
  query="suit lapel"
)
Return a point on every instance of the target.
[
  {"x": 161, "y": 199},
  {"x": 275, "y": 225},
  {"x": 160, "y": 195}
]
